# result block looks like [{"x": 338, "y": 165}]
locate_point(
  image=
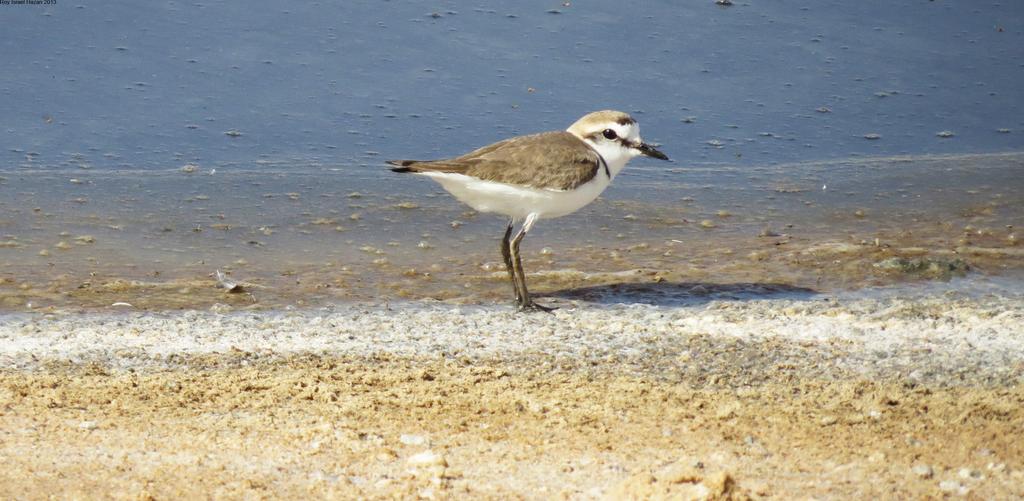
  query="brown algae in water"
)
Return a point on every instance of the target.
[{"x": 942, "y": 269}]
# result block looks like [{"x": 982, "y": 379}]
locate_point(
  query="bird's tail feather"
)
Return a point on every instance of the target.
[{"x": 402, "y": 165}]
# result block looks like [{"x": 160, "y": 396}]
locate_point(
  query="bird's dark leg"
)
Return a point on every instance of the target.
[
  {"x": 506, "y": 253},
  {"x": 525, "y": 303}
]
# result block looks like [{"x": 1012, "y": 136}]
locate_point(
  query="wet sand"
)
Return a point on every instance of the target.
[
  {"x": 307, "y": 237},
  {"x": 916, "y": 393}
]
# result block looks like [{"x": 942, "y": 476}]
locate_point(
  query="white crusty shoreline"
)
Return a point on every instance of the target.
[{"x": 933, "y": 337}]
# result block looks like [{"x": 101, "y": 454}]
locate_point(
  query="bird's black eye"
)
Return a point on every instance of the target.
[{"x": 609, "y": 134}]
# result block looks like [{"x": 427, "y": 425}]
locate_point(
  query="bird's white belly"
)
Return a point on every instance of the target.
[{"x": 519, "y": 201}]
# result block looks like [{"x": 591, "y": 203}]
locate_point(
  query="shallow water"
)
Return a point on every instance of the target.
[
  {"x": 307, "y": 234},
  {"x": 172, "y": 140}
]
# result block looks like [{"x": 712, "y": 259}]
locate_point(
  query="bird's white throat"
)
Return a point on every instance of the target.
[{"x": 614, "y": 154}]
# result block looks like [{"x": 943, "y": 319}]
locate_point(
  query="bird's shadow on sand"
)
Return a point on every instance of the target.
[{"x": 681, "y": 293}]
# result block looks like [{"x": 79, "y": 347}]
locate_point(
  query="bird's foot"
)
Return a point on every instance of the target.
[{"x": 530, "y": 306}]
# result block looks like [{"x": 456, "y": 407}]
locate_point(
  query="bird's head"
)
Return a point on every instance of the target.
[{"x": 615, "y": 135}]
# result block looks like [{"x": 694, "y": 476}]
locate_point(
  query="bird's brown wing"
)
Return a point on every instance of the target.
[{"x": 549, "y": 160}]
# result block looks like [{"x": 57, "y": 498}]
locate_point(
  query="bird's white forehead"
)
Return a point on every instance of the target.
[
  {"x": 598, "y": 121},
  {"x": 629, "y": 131}
]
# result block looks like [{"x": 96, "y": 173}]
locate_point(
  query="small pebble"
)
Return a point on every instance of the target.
[
  {"x": 923, "y": 471},
  {"x": 967, "y": 473},
  {"x": 426, "y": 459},
  {"x": 949, "y": 486},
  {"x": 412, "y": 440}
]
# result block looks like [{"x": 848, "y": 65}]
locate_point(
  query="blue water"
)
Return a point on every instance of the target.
[{"x": 120, "y": 84}]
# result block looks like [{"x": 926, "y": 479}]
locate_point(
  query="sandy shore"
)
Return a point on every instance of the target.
[{"x": 889, "y": 395}]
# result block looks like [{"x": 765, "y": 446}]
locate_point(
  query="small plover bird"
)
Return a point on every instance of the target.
[{"x": 538, "y": 176}]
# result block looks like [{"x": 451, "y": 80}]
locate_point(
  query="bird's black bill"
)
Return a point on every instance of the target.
[{"x": 651, "y": 151}]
